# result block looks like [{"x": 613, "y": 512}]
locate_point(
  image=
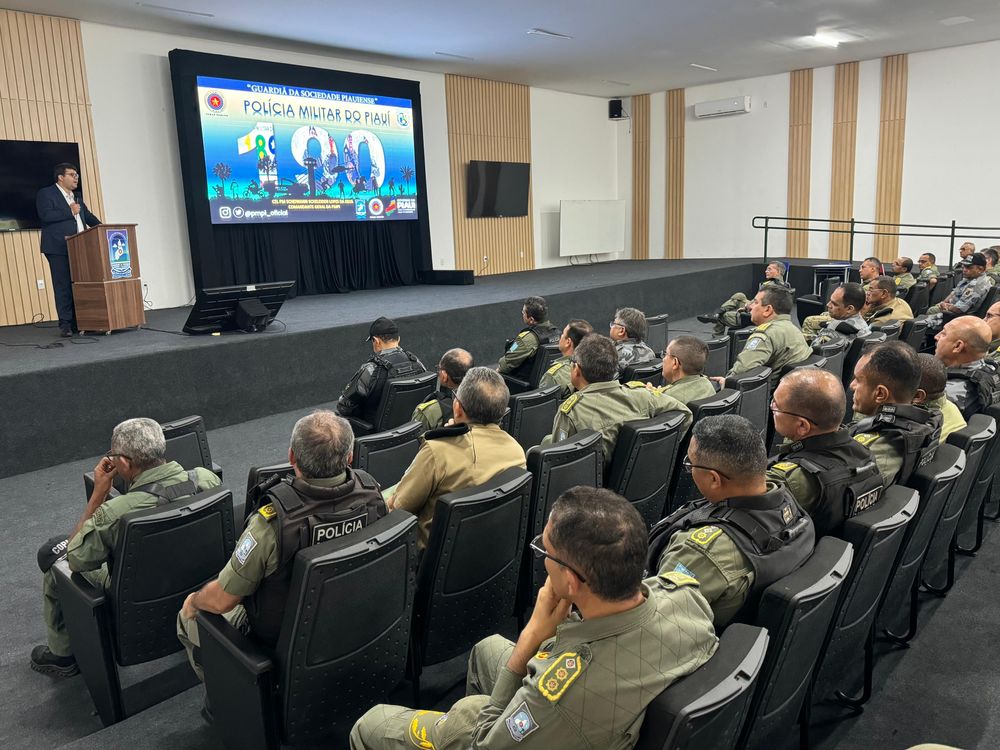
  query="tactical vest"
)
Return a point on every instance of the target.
[
  {"x": 772, "y": 531},
  {"x": 392, "y": 364},
  {"x": 166, "y": 495},
  {"x": 301, "y": 521},
  {"x": 913, "y": 430},
  {"x": 845, "y": 471},
  {"x": 985, "y": 378},
  {"x": 546, "y": 333},
  {"x": 445, "y": 399}
]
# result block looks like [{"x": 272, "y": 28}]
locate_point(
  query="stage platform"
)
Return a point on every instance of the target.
[{"x": 61, "y": 403}]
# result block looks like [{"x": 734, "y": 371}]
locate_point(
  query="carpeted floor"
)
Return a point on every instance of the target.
[{"x": 944, "y": 688}]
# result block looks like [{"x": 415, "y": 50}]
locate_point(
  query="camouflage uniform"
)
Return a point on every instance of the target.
[
  {"x": 966, "y": 297},
  {"x": 586, "y": 687},
  {"x": 633, "y": 352},
  {"x": 813, "y": 323},
  {"x": 829, "y": 332}
]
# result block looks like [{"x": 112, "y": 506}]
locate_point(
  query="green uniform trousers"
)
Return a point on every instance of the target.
[
  {"x": 187, "y": 634},
  {"x": 395, "y": 727},
  {"x": 729, "y": 317},
  {"x": 52, "y": 608}
]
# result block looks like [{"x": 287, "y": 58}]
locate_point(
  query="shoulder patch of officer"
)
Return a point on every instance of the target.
[
  {"x": 569, "y": 403},
  {"x": 521, "y": 723},
  {"x": 268, "y": 512},
  {"x": 522, "y": 334},
  {"x": 425, "y": 405},
  {"x": 753, "y": 342},
  {"x": 560, "y": 675},
  {"x": 705, "y": 535},
  {"x": 677, "y": 579},
  {"x": 246, "y": 547},
  {"x": 635, "y": 384},
  {"x": 555, "y": 368},
  {"x": 785, "y": 467},
  {"x": 866, "y": 438},
  {"x": 763, "y": 326}
]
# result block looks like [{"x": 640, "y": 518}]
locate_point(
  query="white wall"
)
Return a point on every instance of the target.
[
  {"x": 573, "y": 157},
  {"x": 952, "y": 150},
  {"x": 735, "y": 168},
  {"x": 133, "y": 112}
]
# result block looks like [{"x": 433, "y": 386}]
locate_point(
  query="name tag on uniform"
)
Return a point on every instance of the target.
[{"x": 324, "y": 532}]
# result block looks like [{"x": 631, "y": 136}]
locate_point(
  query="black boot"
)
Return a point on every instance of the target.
[{"x": 44, "y": 661}]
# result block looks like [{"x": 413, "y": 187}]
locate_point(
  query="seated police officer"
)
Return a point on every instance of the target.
[
  {"x": 469, "y": 451},
  {"x": 831, "y": 476},
  {"x": 603, "y": 404},
  {"x": 519, "y": 354},
  {"x": 964, "y": 253},
  {"x": 325, "y": 500},
  {"x": 845, "y": 315},
  {"x": 775, "y": 342},
  {"x": 927, "y": 263},
  {"x": 436, "y": 410},
  {"x": 628, "y": 331},
  {"x": 733, "y": 313},
  {"x": 902, "y": 273},
  {"x": 684, "y": 370},
  {"x": 361, "y": 396},
  {"x": 600, "y": 645},
  {"x": 137, "y": 455},
  {"x": 965, "y": 297},
  {"x": 745, "y": 532},
  {"x": 931, "y": 395},
  {"x": 973, "y": 381},
  {"x": 558, "y": 373},
  {"x": 870, "y": 269},
  {"x": 882, "y": 305},
  {"x": 992, "y": 258},
  {"x": 993, "y": 321},
  {"x": 899, "y": 434}
]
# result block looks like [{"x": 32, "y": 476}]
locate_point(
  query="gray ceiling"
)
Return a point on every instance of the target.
[{"x": 635, "y": 46}]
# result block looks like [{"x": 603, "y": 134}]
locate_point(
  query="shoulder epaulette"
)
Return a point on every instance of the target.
[
  {"x": 705, "y": 536},
  {"x": 555, "y": 368},
  {"x": 866, "y": 438},
  {"x": 763, "y": 326},
  {"x": 785, "y": 467},
  {"x": 569, "y": 403},
  {"x": 560, "y": 675},
  {"x": 635, "y": 384},
  {"x": 676, "y": 580},
  {"x": 268, "y": 512},
  {"x": 426, "y": 404}
]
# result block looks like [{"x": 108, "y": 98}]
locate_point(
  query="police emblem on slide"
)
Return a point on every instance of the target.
[
  {"x": 118, "y": 254},
  {"x": 521, "y": 723},
  {"x": 215, "y": 101}
]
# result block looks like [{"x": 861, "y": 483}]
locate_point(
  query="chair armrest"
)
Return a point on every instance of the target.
[
  {"x": 233, "y": 643},
  {"x": 516, "y": 385},
  {"x": 74, "y": 586},
  {"x": 360, "y": 426},
  {"x": 217, "y": 470}
]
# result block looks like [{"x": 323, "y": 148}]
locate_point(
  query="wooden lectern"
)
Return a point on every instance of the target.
[{"x": 107, "y": 290}]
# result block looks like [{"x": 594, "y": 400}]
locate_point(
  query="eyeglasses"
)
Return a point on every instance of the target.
[
  {"x": 615, "y": 324},
  {"x": 109, "y": 456},
  {"x": 776, "y": 410},
  {"x": 539, "y": 550},
  {"x": 689, "y": 467}
]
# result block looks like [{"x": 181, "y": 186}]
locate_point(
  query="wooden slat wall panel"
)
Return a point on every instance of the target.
[
  {"x": 674, "y": 230},
  {"x": 845, "y": 129},
  {"x": 490, "y": 121},
  {"x": 43, "y": 97},
  {"x": 892, "y": 133},
  {"x": 799, "y": 155},
  {"x": 640, "y": 176}
]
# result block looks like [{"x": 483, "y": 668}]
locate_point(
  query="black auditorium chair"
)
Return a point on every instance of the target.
[
  {"x": 258, "y": 479},
  {"x": 646, "y": 372},
  {"x": 943, "y": 287},
  {"x": 656, "y": 332},
  {"x": 892, "y": 329},
  {"x": 400, "y": 396},
  {"x": 532, "y": 414},
  {"x": 970, "y": 527},
  {"x": 919, "y": 298},
  {"x": 554, "y": 468},
  {"x": 717, "y": 361},
  {"x": 469, "y": 570},
  {"x": 834, "y": 353},
  {"x": 187, "y": 444},
  {"x": 975, "y": 440},
  {"x": 914, "y": 332},
  {"x": 737, "y": 341},
  {"x": 544, "y": 357},
  {"x": 706, "y": 708},
  {"x": 341, "y": 648},
  {"x": 682, "y": 487},
  {"x": 134, "y": 621},
  {"x": 815, "y": 304},
  {"x": 991, "y": 297},
  {"x": 755, "y": 395},
  {"x": 386, "y": 455},
  {"x": 934, "y": 481},
  {"x": 813, "y": 360},
  {"x": 797, "y": 611},
  {"x": 877, "y": 535},
  {"x": 643, "y": 462}
]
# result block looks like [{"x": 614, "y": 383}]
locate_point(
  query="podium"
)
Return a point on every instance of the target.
[{"x": 107, "y": 290}]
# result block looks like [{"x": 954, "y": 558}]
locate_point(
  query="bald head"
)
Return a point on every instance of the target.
[
  {"x": 814, "y": 394},
  {"x": 963, "y": 340}
]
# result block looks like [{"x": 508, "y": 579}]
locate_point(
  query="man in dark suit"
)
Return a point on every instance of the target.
[{"x": 63, "y": 213}]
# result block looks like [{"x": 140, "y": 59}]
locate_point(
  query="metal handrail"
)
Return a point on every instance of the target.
[{"x": 952, "y": 230}]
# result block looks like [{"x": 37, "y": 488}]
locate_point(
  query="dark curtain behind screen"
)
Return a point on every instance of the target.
[{"x": 321, "y": 258}]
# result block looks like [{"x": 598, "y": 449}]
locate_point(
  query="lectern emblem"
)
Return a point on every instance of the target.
[{"x": 118, "y": 255}]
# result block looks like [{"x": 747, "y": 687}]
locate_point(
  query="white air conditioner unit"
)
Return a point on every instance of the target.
[{"x": 734, "y": 105}]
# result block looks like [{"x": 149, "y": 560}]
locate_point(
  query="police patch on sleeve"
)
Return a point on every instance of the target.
[
  {"x": 247, "y": 545},
  {"x": 521, "y": 723},
  {"x": 753, "y": 343}
]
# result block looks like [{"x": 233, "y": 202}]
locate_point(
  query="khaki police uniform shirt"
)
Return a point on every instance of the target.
[
  {"x": 604, "y": 407},
  {"x": 888, "y": 459},
  {"x": 899, "y": 309},
  {"x": 953, "y": 419},
  {"x": 558, "y": 374},
  {"x": 521, "y": 350},
  {"x": 689, "y": 388},
  {"x": 926, "y": 274},
  {"x": 588, "y": 687},
  {"x": 904, "y": 280},
  {"x": 803, "y": 486},
  {"x": 447, "y": 464},
  {"x": 256, "y": 553},
  {"x": 96, "y": 540},
  {"x": 429, "y": 414},
  {"x": 775, "y": 344}
]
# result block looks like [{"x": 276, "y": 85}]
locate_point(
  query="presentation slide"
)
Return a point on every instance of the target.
[{"x": 276, "y": 153}]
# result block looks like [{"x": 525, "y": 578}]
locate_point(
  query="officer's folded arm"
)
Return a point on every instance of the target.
[{"x": 212, "y": 598}]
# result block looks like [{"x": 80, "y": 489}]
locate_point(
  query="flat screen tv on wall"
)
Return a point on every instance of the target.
[
  {"x": 497, "y": 189},
  {"x": 25, "y": 168}
]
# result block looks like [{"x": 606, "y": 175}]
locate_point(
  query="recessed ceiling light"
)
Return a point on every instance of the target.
[
  {"x": 168, "y": 9},
  {"x": 614, "y": 83},
  {"x": 955, "y": 20},
  {"x": 545, "y": 32},
  {"x": 454, "y": 56},
  {"x": 703, "y": 67},
  {"x": 826, "y": 39}
]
